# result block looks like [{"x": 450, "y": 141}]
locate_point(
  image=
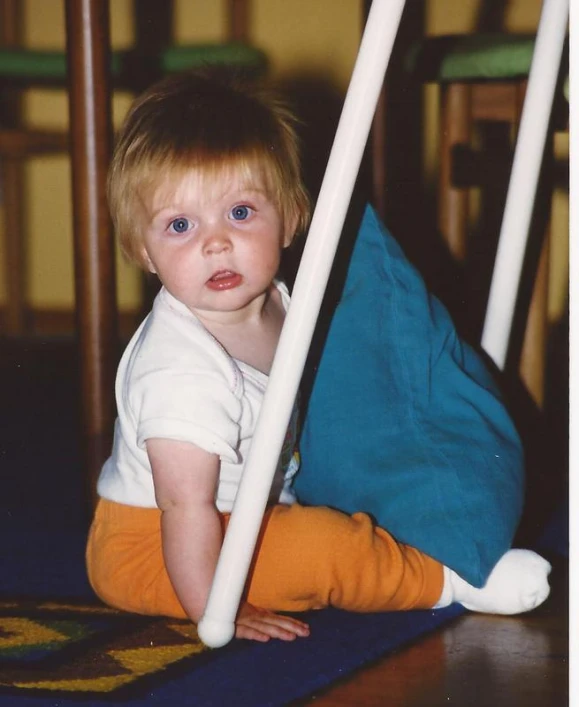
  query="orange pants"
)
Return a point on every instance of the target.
[{"x": 306, "y": 558}]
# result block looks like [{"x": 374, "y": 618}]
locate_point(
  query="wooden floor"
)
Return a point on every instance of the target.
[{"x": 477, "y": 661}]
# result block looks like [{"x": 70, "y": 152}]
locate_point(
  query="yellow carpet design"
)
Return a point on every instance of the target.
[{"x": 48, "y": 646}]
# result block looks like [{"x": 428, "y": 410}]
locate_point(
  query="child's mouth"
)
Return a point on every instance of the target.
[{"x": 224, "y": 280}]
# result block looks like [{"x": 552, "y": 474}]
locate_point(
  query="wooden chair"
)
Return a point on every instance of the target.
[
  {"x": 89, "y": 70},
  {"x": 152, "y": 57},
  {"x": 482, "y": 80}
]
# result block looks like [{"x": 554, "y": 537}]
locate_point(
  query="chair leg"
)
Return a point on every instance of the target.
[
  {"x": 534, "y": 350},
  {"x": 378, "y": 155},
  {"x": 455, "y": 129},
  {"x": 238, "y": 14},
  {"x": 15, "y": 246},
  {"x": 12, "y": 186},
  {"x": 91, "y": 138},
  {"x": 533, "y": 361}
]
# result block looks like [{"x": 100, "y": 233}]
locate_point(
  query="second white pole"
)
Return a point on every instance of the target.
[
  {"x": 217, "y": 626},
  {"x": 524, "y": 178}
]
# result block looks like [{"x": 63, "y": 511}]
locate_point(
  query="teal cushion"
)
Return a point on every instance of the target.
[
  {"x": 406, "y": 423},
  {"x": 471, "y": 57}
]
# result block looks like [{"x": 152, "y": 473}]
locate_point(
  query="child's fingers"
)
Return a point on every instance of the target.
[
  {"x": 284, "y": 625},
  {"x": 265, "y": 631},
  {"x": 251, "y": 634},
  {"x": 261, "y": 625}
]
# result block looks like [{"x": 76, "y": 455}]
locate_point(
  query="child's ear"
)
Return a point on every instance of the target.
[
  {"x": 147, "y": 262},
  {"x": 290, "y": 231}
]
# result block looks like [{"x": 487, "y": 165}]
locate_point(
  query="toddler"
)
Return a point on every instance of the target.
[{"x": 205, "y": 191}]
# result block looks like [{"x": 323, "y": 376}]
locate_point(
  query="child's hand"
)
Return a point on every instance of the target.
[{"x": 260, "y": 625}]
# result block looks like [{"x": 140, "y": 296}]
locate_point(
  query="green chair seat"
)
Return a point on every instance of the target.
[
  {"x": 20, "y": 64},
  {"x": 180, "y": 58},
  {"x": 471, "y": 57},
  {"x": 31, "y": 66}
]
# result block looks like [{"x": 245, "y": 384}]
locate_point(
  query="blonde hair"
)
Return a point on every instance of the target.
[{"x": 201, "y": 121}]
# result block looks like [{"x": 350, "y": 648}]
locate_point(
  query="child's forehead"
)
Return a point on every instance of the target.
[{"x": 206, "y": 183}]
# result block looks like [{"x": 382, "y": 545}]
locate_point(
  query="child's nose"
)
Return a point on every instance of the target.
[{"x": 217, "y": 241}]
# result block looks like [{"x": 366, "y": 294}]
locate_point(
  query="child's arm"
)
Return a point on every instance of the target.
[{"x": 185, "y": 478}]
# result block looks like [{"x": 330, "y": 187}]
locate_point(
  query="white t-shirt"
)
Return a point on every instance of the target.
[{"x": 176, "y": 381}]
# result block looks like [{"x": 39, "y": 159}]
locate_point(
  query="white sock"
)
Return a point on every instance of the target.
[{"x": 517, "y": 583}]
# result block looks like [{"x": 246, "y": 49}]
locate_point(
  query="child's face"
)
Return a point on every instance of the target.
[{"x": 215, "y": 244}]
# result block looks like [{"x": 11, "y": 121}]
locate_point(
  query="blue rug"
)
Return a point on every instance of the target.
[
  {"x": 60, "y": 647},
  {"x": 63, "y": 652}
]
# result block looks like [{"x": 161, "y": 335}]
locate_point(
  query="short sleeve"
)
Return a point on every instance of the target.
[
  {"x": 200, "y": 409},
  {"x": 183, "y": 386}
]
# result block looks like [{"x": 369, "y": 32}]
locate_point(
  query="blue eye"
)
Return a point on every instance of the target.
[
  {"x": 180, "y": 225},
  {"x": 240, "y": 213}
]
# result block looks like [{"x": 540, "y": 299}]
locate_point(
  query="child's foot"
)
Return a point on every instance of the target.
[{"x": 517, "y": 583}]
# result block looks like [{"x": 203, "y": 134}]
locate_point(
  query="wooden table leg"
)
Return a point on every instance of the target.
[{"x": 88, "y": 48}]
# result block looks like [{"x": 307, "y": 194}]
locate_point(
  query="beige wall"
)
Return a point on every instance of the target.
[
  {"x": 314, "y": 37},
  {"x": 326, "y": 43}
]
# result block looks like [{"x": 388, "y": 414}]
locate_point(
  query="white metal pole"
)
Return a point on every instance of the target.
[
  {"x": 524, "y": 178},
  {"x": 217, "y": 626}
]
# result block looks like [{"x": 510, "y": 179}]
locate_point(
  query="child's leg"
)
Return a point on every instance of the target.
[
  {"x": 125, "y": 561},
  {"x": 316, "y": 557},
  {"x": 307, "y": 558}
]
